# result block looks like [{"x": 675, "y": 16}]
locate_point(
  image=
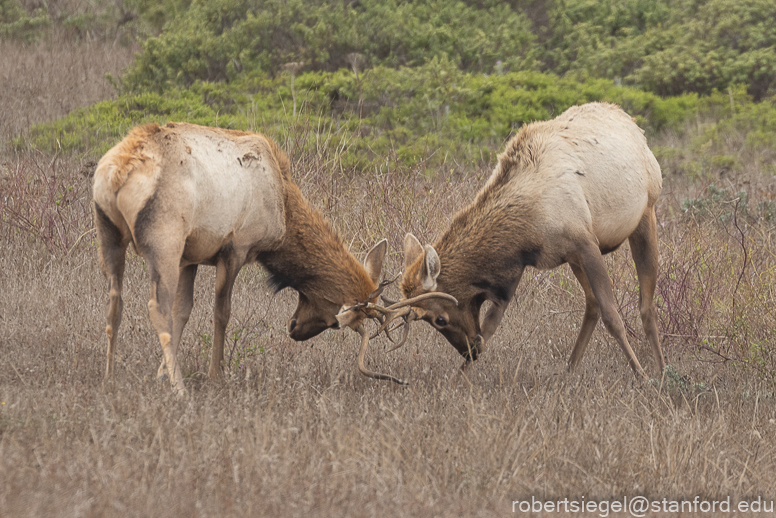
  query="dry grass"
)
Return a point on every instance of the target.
[
  {"x": 294, "y": 430},
  {"x": 46, "y": 80}
]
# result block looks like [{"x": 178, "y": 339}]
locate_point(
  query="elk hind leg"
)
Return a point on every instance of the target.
[
  {"x": 227, "y": 268},
  {"x": 181, "y": 309},
  {"x": 643, "y": 244},
  {"x": 591, "y": 262},
  {"x": 113, "y": 250},
  {"x": 164, "y": 284},
  {"x": 592, "y": 314}
]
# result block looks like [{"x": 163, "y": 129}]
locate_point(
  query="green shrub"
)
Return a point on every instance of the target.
[
  {"x": 667, "y": 47},
  {"x": 17, "y": 24},
  {"x": 218, "y": 40},
  {"x": 429, "y": 114}
]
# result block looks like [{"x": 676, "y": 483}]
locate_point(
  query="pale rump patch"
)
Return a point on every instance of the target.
[{"x": 128, "y": 155}]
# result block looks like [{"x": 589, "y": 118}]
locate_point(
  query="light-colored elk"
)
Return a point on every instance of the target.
[
  {"x": 186, "y": 195},
  {"x": 566, "y": 190}
]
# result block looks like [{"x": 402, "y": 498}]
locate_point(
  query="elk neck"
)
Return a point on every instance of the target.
[
  {"x": 489, "y": 243},
  {"x": 312, "y": 258}
]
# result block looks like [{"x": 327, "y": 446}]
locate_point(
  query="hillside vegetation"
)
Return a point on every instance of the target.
[{"x": 429, "y": 82}]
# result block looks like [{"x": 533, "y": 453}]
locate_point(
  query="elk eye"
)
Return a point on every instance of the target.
[{"x": 441, "y": 321}]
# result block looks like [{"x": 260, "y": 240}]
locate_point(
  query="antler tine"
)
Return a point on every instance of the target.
[
  {"x": 403, "y": 309},
  {"x": 388, "y": 301},
  {"x": 424, "y": 296},
  {"x": 391, "y": 315},
  {"x": 409, "y": 318},
  {"x": 381, "y": 287},
  {"x": 366, "y": 372}
]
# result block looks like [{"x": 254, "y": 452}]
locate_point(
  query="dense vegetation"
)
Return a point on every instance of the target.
[{"x": 427, "y": 81}]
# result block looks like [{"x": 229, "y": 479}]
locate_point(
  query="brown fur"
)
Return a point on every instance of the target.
[
  {"x": 565, "y": 190},
  {"x": 312, "y": 257},
  {"x": 186, "y": 195}
]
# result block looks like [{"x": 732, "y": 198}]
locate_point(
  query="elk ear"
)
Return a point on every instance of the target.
[
  {"x": 412, "y": 249},
  {"x": 374, "y": 260},
  {"x": 431, "y": 270}
]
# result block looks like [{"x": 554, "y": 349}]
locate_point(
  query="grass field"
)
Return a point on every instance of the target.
[{"x": 295, "y": 430}]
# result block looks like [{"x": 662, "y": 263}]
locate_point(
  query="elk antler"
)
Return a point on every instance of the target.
[
  {"x": 403, "y": 309},
  {"x": 366, "y": 372}
]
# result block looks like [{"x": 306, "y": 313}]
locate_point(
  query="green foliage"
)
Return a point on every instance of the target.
[
  {"x": 724, "y": 205},
  {"x": 667, "y": 47},
  {"x": 153, "y": 14},
  {"x": 428, "y": 114},
  {"x": 217, "y": 40},
  {"x": 17, "y": 24},
  {"x": 657, "y": 46},
  {"x": 119, "y": 20},
  {"x": 96, "y": 128}
]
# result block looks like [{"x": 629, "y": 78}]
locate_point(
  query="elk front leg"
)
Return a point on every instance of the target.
[
  {"x": 181, "y": 310},
  {"x": 591, "y": 262},
  {"x": 227, "y": 269}
]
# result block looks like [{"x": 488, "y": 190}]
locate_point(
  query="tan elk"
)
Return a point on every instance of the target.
[
  {"x": 568, "y": 190},
  {"x": 186, "y": 195}
]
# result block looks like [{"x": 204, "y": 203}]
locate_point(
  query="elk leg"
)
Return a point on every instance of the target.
[
  {"x": 181, "y": 309},
  {"x": 227, "y": 269},
  {"x": 495, "y": 313},
  {"x": 113, "y": 250},
  {"x": 592, "y": 264},
  {"x": 592, "y": 314},
  {"x": 164, "y": 286},
  {"x": 643, "y": 243}
]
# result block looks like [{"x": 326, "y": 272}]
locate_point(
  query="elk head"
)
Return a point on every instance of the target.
[
  {"x": 315, "y": 313},
  {"x": 458, "y": 321}
]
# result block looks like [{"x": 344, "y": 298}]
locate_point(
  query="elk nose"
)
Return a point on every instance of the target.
[{"x": 291, "y": 325}]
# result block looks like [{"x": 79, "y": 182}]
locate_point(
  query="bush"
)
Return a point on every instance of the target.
[
  {"x": 431, "y": 114},
  {"x": 218, "y": 40},
  {"x": 17, "y": 24},
  {"x": 666, "y": 47}
]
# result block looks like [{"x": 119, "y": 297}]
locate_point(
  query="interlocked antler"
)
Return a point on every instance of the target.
[
  {"x": 401, "y": 309},
  {"x": 366, "y": 372}
]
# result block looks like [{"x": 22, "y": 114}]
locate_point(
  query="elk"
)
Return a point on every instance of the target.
[
  {"x": 186, "y": 195},
  {"x": 568, "y": 190}
]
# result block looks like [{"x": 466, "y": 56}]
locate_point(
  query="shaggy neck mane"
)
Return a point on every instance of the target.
[
  {"x": 490, "y": 242},
  {"x": 312, "y": 258}
]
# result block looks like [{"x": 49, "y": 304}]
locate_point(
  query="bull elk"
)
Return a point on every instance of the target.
[
  {"x": 568, "y": 190},
  {"x": 186, "y": 195}
]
